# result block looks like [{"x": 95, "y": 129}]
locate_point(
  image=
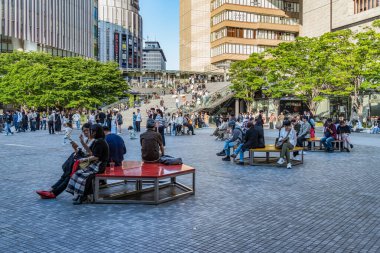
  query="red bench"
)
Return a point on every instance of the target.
[{"x": 146, "y": 183}]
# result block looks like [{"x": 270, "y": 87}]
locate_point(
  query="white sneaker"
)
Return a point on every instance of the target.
[
  {"x": 289, "y": 166},
  {"x": 281, "y": 161},
  {"x": 297, "y": 158}
]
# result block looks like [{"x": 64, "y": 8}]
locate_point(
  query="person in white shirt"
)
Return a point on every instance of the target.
[
  {"x": 76, "y": 119},
  {"x": 179, "y": 123},
  {"x": 286, "y": 141},
  {"x": 68, "y": 131},
  {"x": 177, "y": 102},
  {"x": 138, "y": 121}
]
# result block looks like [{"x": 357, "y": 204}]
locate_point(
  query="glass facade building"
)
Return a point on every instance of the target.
[
  {"x": 120, "y": 32},
  {"x": 61, "y": 28}
]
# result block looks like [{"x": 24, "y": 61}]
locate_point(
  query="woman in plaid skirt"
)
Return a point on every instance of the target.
[{"x": 96, "y": 161}]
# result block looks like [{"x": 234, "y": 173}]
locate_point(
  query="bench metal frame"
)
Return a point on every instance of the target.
[
  {"x": 268, "y": 157},
  {"x": 139, "y": 182}
]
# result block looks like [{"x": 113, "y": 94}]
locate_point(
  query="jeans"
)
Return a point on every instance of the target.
[
  {"x": 300, "y": 141},
  {"x": 77, "y": 123},
  {"x": 43, "y": 124},
  {"x": 138, "y": 123},
  {"x": 241, "y": 151},
  {"x": 326, "y": 141},
  {"x": 8, "y": 129},
  {"x": 32, "y": 126},
  {"x": 161, "y": 130},
  {"x": 51, "y": 127},
  {"x": 227, "y": 146}
]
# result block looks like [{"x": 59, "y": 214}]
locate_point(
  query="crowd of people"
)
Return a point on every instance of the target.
[{"x": 245, "y": 132}]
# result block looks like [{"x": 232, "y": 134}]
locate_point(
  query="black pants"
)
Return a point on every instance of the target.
[
  {"x": 191, "y": 128},
  {"x": 62, "y": 183},
  {"x": 138, "y": 123},
  {"x": 51, "y": 127},
  {"x": 300, "y": 141}
]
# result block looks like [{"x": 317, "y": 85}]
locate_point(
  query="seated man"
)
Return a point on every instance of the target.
[
  {"x": 329, "y": 136},
  {"x": 251, "y": 140},
  {"x": 236, "y": 139},
  {"x": 151, "y": 143},
  {"x": 116, "y": 146},
  {"x": 303, "y": 134},
  {"x": 344, "y": 131},
  {"x": 187, "y": 122}
]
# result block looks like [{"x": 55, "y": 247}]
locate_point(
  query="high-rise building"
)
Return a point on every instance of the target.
[
  {"x": 61, "y": 28},
  {"x": 120, "y": 32},
  {"x": 324, "y": 16},
  {"x": 242, "y": 27},
  {"x": 153, "y": 56},
  {"x": 194, "y": 35}
]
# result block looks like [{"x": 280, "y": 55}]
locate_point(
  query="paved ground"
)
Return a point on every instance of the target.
[{"x": 330, "y": 204}]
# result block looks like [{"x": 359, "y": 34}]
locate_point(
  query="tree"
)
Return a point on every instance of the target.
[
  {"x": 249, "y": 77},
  {"x": 41, "y": 80}
]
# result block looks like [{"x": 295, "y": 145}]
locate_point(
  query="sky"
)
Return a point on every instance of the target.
[{"x": 161, "y": 23}]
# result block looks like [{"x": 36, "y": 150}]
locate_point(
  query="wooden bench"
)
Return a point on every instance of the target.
[
  {"x": 337, "y": 144},
  {"x": 268, "y": 160},
  {"x": 145, "y": 183}
]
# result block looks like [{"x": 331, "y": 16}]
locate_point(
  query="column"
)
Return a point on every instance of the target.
[{"x": 237, "y": 106}]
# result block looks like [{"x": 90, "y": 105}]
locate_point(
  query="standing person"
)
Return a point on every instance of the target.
[
  {"x": 177, "y": 102},
  {"x": 44, "y": 120},
  {"x": 134, "y": 117},
  {"x": 8, "y": 123},
  {"x": 51, "y": 122},
  {"x": 38, "y": 120},
  {"x": 329, "y": 136},
  {"x": 280, "y": 120},
  {"x": 272, "y": 119},
  {"x": 97, "y": 163},
  {"x": 102, "y": 118},
  {"x": 14, "y": 120},
  {"x": 151, "y": 143},
  {"x": 119, "y": 121},
  {"x": 138, "y": 121},
  {"x": 109, "y": 118},
  {"x": 24, "y": 122},
  {"x": 160, "y": 125},
  {"x": 58, "y": 121},
  {"x": 91, "y": 118},
  {"x": 114, "y": 123},
  {"x": 286, "y": 142},
  {"x": 76, "y": 120},
  {"x": 116, "y": 145},
  {"x": 206, "y": 120},
  {"x": 33, "y": 121}
]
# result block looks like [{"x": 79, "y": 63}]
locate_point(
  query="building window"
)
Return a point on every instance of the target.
[{"x": 364, "y": 5}]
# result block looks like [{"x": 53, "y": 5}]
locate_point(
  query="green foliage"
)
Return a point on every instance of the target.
[
  {"x": 40, "y": 80},
  {"x": 337, "y": 63}
]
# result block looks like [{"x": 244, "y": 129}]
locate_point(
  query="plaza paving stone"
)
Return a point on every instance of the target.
[{"x": 329, "y": 204}]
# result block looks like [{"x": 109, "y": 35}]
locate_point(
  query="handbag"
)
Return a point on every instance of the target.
[
  {"x": 278, "y": 144},
  {"x": 312, "y": 133}
]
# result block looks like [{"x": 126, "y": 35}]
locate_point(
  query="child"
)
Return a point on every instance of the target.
[
  {"x": 68, "y": 130},
  {"x": 132, "y": 134}
]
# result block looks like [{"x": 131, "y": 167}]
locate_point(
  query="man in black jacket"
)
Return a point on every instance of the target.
[{"x": 251, "y": 140}]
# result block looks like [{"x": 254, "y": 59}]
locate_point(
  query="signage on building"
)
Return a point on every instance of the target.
[
  {"x": 124, "y": 51},
  {"x": 116, "y": 47}
]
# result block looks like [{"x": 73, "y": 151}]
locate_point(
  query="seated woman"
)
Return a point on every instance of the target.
[
  {"x": 251, "y": 140},
  {"x": 179, "y": 123},
  {"x": 96, "y": 164},
  {"x": 344, "y": 131},
  {"x": 286, "y": 142},
  {"x": 67, "y": 167}
]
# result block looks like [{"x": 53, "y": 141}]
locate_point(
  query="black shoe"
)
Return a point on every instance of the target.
[
  {"x": 347, "y": 150},
  {"x": 240, "y": 163},
  {"x": 227, "y": 159},
  {"x": 330, "y": 150},
  {"x": 352, "y": 146},
  {"x": 233, "y": 156},
  {"x": 193, "y": 134},
  {"x": 222, "y": 153}
]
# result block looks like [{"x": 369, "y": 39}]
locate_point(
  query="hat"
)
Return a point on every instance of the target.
[{"x": 150, "y": 123}]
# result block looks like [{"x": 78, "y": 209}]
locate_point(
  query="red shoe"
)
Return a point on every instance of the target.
[{"x": 46, "y": 195}]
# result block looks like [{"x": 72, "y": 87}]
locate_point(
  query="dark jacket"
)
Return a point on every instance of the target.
[
  {"x": 251, "y": 139},
  {"x": 117, "y": 148},
  {"x": 260, "y": 130}
]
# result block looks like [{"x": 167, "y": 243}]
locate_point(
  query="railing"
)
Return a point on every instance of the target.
[{"x": 117, "y": 104}]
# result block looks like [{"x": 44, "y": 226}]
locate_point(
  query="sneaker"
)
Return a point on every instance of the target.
[
  {"x": 297, "y": 158},
  {"x": 233, "y": 156},
  {"x": 303, "y": 152},
  {"x": 222, "y": 153},
  {"x": 352, "y": 146},
  {"x": 240, "y": 163},
  {"x": 226, "y": 159},
  {"x": 281, "y": 161},
  {"x": 289, "y": 166},
  {"x": 347, "y": 149}
]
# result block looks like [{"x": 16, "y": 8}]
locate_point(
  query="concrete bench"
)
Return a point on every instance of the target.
[
  {"x": 268, "y": 160},
  {"x": 143, "y": 183}
]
